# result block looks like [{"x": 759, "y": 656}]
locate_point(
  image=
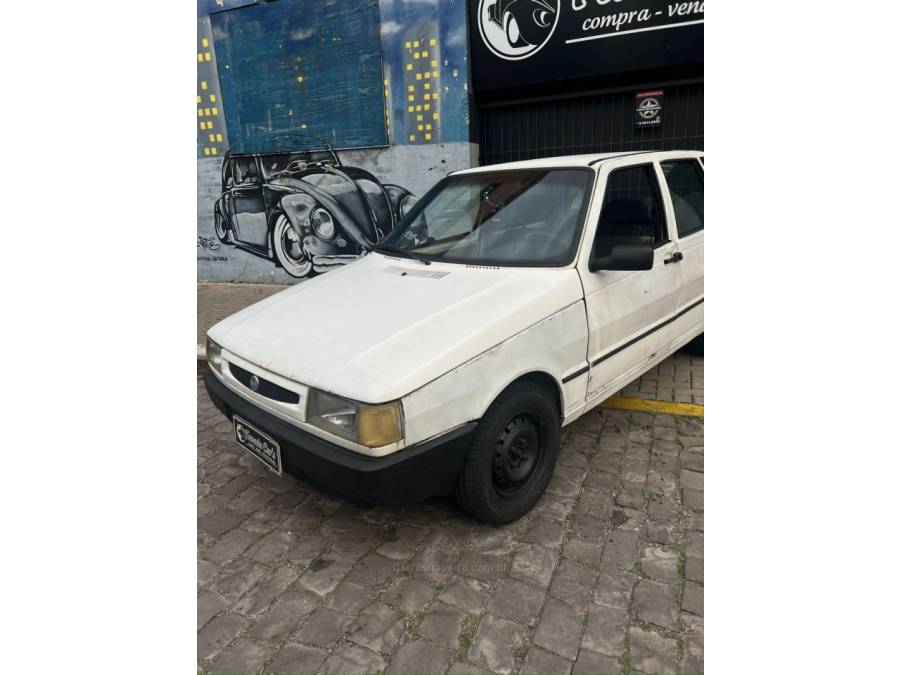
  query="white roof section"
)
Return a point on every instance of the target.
[{"x": 593, "y": 159}]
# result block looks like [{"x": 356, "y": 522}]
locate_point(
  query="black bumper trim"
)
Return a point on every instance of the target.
[{"x": 415, "y": 473}]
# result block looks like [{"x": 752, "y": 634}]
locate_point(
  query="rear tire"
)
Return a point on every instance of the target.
[{"x": 512, "y": 457}]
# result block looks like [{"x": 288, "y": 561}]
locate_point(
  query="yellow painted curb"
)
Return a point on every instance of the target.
[{"x": 644, "y": 405}]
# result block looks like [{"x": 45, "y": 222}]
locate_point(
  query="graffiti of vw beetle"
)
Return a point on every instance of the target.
[
  {"x": 525, "y": 22},
  {"x": 305, "y": 211}
]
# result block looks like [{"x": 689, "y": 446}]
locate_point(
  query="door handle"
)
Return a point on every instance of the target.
[{"x": 675, "y": 257}]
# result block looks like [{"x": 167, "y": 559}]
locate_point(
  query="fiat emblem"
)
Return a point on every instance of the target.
[{"x": 254, "y": 383}]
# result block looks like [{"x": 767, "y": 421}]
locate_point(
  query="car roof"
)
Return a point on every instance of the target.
[{"x": 577, "y": 160}]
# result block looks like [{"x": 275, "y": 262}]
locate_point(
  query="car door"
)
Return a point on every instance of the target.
[
  {"x": 683, "y": 178},
  {"x": 627, "y": 311},
  {"x": 247, "y": 202}
]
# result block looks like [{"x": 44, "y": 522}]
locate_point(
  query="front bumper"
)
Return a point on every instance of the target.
[{"x": 409, "y": 475}]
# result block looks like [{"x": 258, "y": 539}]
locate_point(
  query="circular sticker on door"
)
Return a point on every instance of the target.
[{"x": 516, "y": 29}]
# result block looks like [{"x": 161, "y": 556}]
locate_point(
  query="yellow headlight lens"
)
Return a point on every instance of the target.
[{"x": 379, "y": 425}]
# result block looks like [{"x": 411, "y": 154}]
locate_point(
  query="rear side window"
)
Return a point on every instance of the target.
[
  {"x": 684, "y": 178},
  {"x": 632, "y": 211}
]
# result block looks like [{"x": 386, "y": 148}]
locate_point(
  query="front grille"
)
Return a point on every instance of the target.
[{"x": 266, "y": 388}]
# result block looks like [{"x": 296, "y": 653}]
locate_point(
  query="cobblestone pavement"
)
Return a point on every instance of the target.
[
  {"x": 678, "y": 379},
  {"x": 604, "y": 575}
]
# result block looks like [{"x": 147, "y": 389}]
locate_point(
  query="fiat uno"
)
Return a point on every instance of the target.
[{"x": 509, "y": 301}]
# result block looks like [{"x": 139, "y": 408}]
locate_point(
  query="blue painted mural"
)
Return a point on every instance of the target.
[
  {"x": 301, "y": 75},
  {"x": 425, "y": 63}
]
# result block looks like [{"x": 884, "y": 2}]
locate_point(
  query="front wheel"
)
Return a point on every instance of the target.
[
  {"x": 512, "y": 457},
  {"x": 289, "y": 249}
]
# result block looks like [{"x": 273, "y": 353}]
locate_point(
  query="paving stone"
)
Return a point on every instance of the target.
[
  {"x": 572, "y": 582},
  {"x": 493, "y": 540},
  {"x": 209, "y": 604},
  {"x": 432, "y": 562},
  {"x": 660, "y": 532},
  {"x": 409, "y": 593},
  {"x": 693, "y": 569},
  {"x": 651, "y": 652},
  {"x": 517, "y": 601},
  {"x": 283, "y": 618},
  {"x": 656, "y": 603},
  {"x": 544, "y": 532},
  {"x": 261, "y": 596},
  {"x": 309, "y": 546},
  {"x": 582, "y": 550},
  {"x": 323, "y": 627},
  {"x": 217, "y": 523},
  {"x": 489, "y": 568},
  {"x": 553, "y": 507},
  {"x": 605, "y": 630},
  {"x": 272, "y": 545},
  {"x": 497, "y": 644},
  {"x": 417, "y": 656},
  {"x": 539, "y": 661},
  {"x": 693, "y": 545},
  {"x": 349, "y": 597},
  {"x": 378, "y": 628},
  {"x": 534, "y": 564},
  {"x": 692, "y": 600},
  {"x": 692, "y": 499},
  {"x": 230, "y": 545},
  {"x": 442, "y": 624},
  {"x": 206, "y": 571},
  {"x": 352, "y": 659},
  {"x": 216, "y": 635},
  {"x": 373, "y": 571},
  {"x": 237, "y": 577},
  {"x": 592, "y": 663},
  {"x": 613, "y": 588},
  {"x": 620, "y": 549},
  {"x": 469, "y": 595},
  {"x": 325, "y": 573},
  {"x": 559, "y": 629},
  {"x": 660, "y": 564},
  {"x": 692, "y": 479},
  {"x": 466, "y": 668},
  {"x": 693, "y": 656},
  {"x": 294, "y": 658},
  {"x": 401, "y": 541},
  {"x": 242, "y": 656}
]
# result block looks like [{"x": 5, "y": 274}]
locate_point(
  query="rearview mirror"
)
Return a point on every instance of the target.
[{"x": 624, "y": 257}]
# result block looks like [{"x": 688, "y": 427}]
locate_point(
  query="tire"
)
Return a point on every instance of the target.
[
  {"x": 695, "y": 346},
  {"x": 288, "y": 248},
  {"x": 221, "y": 229},
  {"x": 512, "y": 457}
]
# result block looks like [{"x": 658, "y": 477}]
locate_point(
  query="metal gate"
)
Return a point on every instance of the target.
[{"x": 601, "y": 122}]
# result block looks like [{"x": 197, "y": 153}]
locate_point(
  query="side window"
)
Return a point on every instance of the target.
[
  {"x": 245, "y": 171},
  {"x": 632, "y": 212},
  {"x": 684, "y": 178}
]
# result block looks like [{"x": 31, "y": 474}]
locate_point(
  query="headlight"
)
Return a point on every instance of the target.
[
  {"x": 322, "y": 223},
  {"x": 369, "y": 425},
  {"x": 214, "y": 355},
  {"x": 406, "y": 204}
]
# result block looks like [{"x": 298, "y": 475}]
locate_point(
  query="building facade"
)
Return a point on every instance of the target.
[{"x": 340, "y": 113}]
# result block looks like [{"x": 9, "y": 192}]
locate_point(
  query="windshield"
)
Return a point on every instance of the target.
[{"x": 529, "y": 217}]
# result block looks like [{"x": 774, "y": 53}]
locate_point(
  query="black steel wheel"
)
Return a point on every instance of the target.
[{"x": 513, "y": 453}]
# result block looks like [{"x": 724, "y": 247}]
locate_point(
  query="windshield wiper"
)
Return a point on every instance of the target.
[{"x": 402, "y": 253}]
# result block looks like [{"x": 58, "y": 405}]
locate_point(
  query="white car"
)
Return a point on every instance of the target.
[{"x": 509, "y": 301}]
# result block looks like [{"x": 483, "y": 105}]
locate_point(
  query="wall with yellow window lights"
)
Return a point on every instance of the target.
[
  {"x": 421, "y": 75},
  {"x": 212, "y": 137}
]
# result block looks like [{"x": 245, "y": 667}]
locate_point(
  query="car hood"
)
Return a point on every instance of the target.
[{"x": 381, "y": 327}]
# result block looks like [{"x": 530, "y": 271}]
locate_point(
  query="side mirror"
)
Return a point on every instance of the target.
[{"x": 623, "y": 257}]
